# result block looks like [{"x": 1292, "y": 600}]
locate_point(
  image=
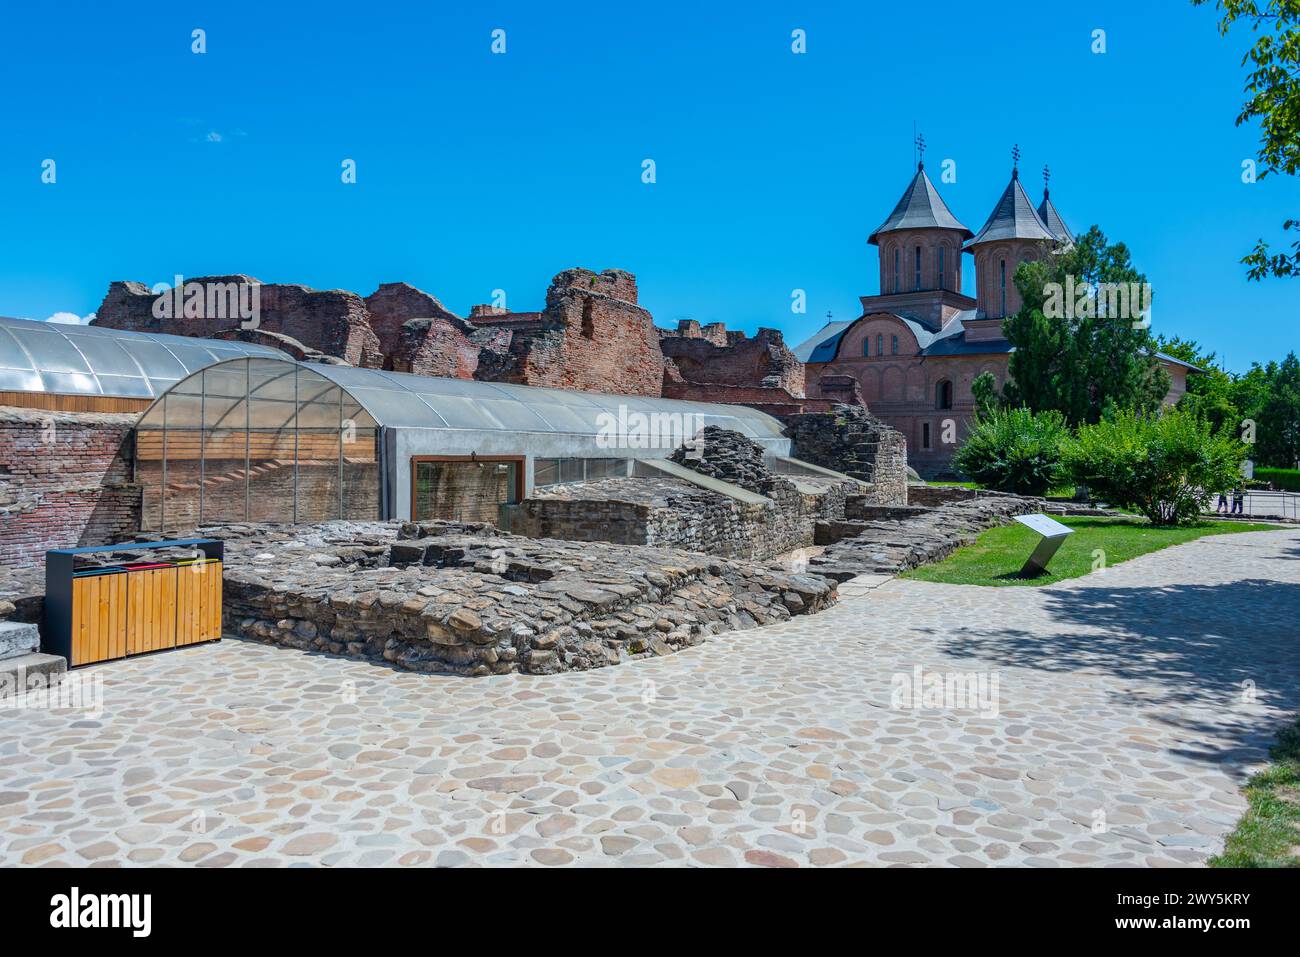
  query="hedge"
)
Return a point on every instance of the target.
[{"x": 1288, "y": 479}]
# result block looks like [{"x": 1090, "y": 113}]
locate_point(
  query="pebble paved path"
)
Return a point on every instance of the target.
[{"x": 1130, "y": 705}]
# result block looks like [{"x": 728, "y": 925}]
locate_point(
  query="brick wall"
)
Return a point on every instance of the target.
[
  {"x": 393, "y": 304},
  {"x": 712, "y": 355},
  {"x": 65, "y": 480},
  {"x": 334, "y": 321},
  {"x": 592, "y": 337}
]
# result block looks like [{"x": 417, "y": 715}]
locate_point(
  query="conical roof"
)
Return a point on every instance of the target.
[
  {"x": 1048, "y": 214},
  {"x": 1014, "y": 217},
  {"x": 921, "y": 207}
]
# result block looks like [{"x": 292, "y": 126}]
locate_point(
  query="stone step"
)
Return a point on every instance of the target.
[
  {"x": 18, "y": 638},
  {"x": 34, "y": 670}
]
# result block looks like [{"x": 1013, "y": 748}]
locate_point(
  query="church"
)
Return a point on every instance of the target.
[{"x": 920, "y": 343}]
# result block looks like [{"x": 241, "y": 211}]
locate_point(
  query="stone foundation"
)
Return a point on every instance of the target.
[{"x": 473, "y": 601}]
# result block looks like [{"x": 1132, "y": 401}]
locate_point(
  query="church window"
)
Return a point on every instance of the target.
[
  {"x": 1003, "y": 264},
  {"x": 897, "y": 283},
  {"x": 866, "y": 346},
  {"x": 943, "y": 394},
  {"x": 880, "y": 344},
  {"x": 893, "y": 345},
  {"x": 939, "y": 270},
  {"x": 918, "y": 267},
  {"x": 925, "y": 435}
]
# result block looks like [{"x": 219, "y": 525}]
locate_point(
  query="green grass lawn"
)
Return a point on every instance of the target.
[
  {"x": 1268, "y": 835},
  {"x": 996, "y": 557}
]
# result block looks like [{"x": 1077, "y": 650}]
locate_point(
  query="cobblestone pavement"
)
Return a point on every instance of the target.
[{"x": 1130, "y": 705}]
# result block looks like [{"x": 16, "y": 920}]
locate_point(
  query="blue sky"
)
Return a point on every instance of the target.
[{"x": 478, "y": 171}]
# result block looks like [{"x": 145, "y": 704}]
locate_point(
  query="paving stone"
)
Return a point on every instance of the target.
[{"x": 1118, "y": 692}]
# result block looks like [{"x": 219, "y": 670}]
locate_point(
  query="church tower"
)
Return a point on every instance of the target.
[
  {"x": 1014, "y": 233},
  {"x": 920, "y": 241}
]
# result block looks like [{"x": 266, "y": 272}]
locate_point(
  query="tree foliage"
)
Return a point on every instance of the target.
[
  {"x": 1167, "y": 467},
  {"x": 1263, "y": 405},
  {"x": 1277, "y": 421},
  {"x": 1273, "y": 99},
  {"x": 1096, "y": 360}
]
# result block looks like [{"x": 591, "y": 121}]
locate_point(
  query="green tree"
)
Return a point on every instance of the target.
[
  {"x": 1273, "y": 98},
  {"x": 1167, "y": 467},
  {"x": 1211, "y": 392},
  {"x": 985, "y": 392},
  {"x": 1074, "y": 352},
  {"x": 1277, "y": 422}
]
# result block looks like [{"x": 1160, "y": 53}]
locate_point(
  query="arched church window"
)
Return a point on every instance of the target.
[
  {"x": 880, "y": 344},
  {"x": 1003, "y": 286},
  {"x": 898, "y": 285},
  {"x": 866, "y": 346},
  {"x": 939, "y": 269},
  {"x": 943, "y": 394},
  {"x": 893, "y": 345},
  {"x": 918, "y": 268}
]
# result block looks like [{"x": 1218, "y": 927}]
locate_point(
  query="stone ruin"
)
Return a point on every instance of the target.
[
  {"x": 770, "y": 516},
  {"x": 471, "y": 600},
  {"x": 592, "y": 335},
  {"x": 851, "y": 440}
]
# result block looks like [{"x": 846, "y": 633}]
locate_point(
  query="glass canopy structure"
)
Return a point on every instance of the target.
[
  {"x": 263, "y": 439},
  {"x": 48, "y": 357}
]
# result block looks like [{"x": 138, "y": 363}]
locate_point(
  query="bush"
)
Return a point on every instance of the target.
[
  {"x": 1288, "y": 479},
  {"x": 1165, "y": 467},
  {"x": 1014, "y": 450}
]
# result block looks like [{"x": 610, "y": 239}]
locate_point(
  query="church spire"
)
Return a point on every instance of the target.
[
  {"x": 1014, "y": 216},
  {"x": 1048, "y": 214},
  {"x": 920, "y": 207}
]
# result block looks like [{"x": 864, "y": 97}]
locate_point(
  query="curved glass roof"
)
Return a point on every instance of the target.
[
  {"x": 274, "y": 388},
  {"x": 92, "y": 360}
]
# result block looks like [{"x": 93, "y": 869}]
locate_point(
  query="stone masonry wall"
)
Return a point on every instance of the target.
[
  {"x": 851, "y": 440},
  {"x": 672, "y": 513},
  {"x": 65, "y": 480},
  {"x": 469, "y": 600}
]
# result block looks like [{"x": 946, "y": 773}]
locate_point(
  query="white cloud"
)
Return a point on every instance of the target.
[
  {"x": 214, "y": 136},
  {"x": 70, "y": 319}
]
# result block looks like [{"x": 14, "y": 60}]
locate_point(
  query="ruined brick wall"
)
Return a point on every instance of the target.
[
  {"x": 444, "y": 347},
  {"x": 65, "y": 480},
  {"x": 394, "y": 304},
  {"x": 334, "y": 322},
  {"x": 592, "y": 337},
  {"x": 714, "y": 332},
  {"x": 714, "y": 356},
  {"x": 278, "y": 340}
]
